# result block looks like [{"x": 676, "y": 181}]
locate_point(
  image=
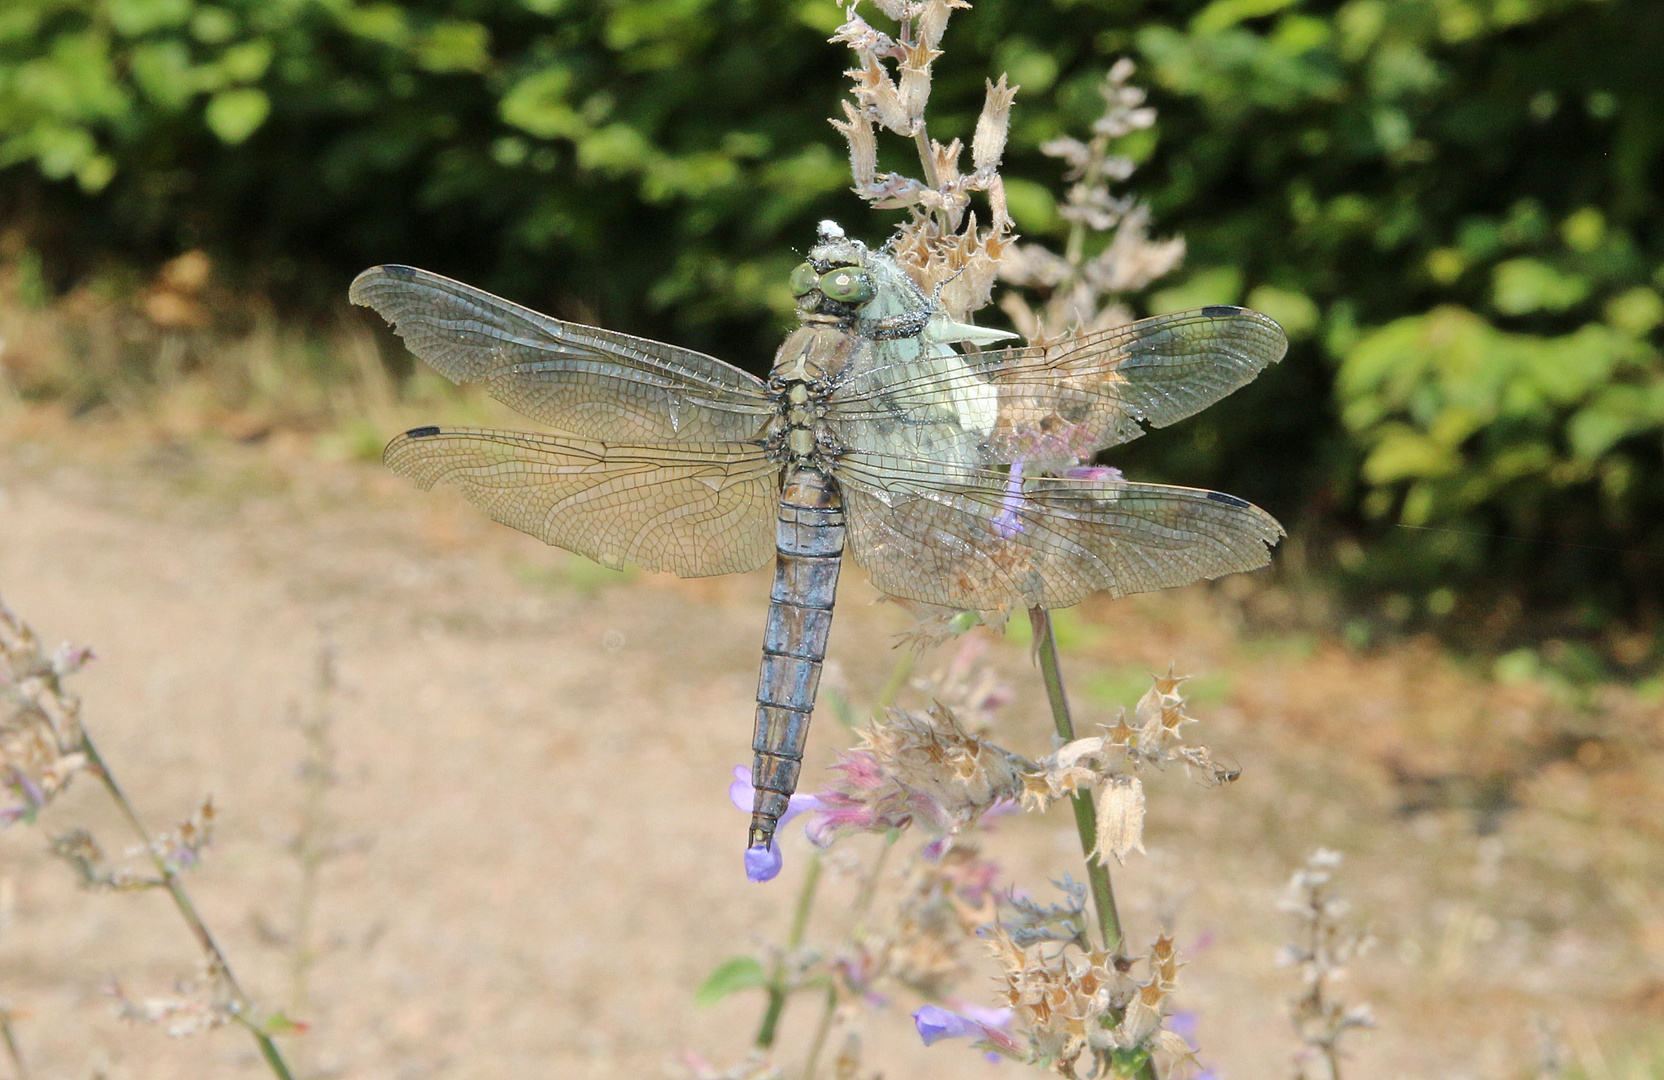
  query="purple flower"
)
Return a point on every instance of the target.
[
  {"x": 986, "y": 1026},
  {"x": 21, "y": 784},
  {"x": 936, "y": 1023},
  {"x": 1006, "y": 523},
  {"x": 762, "y": 863},
  {"x": 1183, "y": 1024},
  {"x": 68, "y": 659}
]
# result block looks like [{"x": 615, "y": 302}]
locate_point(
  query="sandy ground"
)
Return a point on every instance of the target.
[{"x": 539, "y": 862}]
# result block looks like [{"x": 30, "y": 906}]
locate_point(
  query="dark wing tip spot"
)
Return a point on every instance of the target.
[
  {"x": 1221, "y": 310},
  {"x": 425, "y": 432},
  {"x": 362, "y": 285},
  {"x": 1216, "y": 496}
]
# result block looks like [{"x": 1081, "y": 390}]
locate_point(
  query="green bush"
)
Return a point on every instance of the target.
[
  {"x": 1467, "y": 190},
  {"x": 1451, "y": 204}
]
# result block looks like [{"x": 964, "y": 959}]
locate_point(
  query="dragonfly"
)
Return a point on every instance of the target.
[{"x": 955, "y": 473}]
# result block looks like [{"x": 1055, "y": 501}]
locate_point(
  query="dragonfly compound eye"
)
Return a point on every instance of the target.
[
  {"x": 804, "y": 280},
  {"x": 847, "y": 285}
]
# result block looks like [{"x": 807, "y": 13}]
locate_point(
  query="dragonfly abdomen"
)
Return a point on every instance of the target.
[{"x": 809, "y": 542}]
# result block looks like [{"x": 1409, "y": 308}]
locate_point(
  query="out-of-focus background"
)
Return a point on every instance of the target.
[{"x": 1453, "y": 674}]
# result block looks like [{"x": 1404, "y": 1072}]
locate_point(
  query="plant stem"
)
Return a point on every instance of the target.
[
  {"x": 821, "y": 1030},
  {"x": 778, "y": 991},
  {"x": 12, "y": 1050},
  {"x": 869, "y": 888},
  {"x": 312, "y": 842},
  {"x": 898, "y": 676},
  {"x": 1086, "y": 815},
  {"x": 187, "y": 910}
]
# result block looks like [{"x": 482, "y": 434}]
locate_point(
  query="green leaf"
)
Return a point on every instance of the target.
[
  {"x": 1636, "y": 312},
  {"x": 278, "y": 1024},
  {"x": 163, "y": 71},
  {"x": 1208, "y": 285},
  {"x": 1223, "y": 14},
  {"x": 247, "y": 61},
  {"x": 1294, "y": 311},
  {"x": 455, "y": 46},
  {"x": 1032, "y": 206},
  {"x": 1521, "y": 286},
  {"x": 739, "y": 973},
  {"x": 135, "y": 17},
  {"x": 234, "y": 115},
  {"x": 537, "y": 105},
  {"x": 1404, "y": 453}
]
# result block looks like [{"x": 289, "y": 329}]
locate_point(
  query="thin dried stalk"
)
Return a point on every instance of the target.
[
  {"x": 1321, "y": 951},
  {"x": 1086, "y": 814},
  {"x": 1083, "y": 294},
  {"x": 9, "y": 1036},
  {"x": 43, "y": 743}
]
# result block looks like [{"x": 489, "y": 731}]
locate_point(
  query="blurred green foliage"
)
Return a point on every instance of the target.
[
  {"x": 1452, "y": 205},
  {"x": 1458, "y": 202}
]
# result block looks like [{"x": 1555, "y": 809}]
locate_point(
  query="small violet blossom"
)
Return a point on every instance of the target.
[
  {"x": 1183, "y": 1024},
  {"x": 1006, "y": 523},
  {"x": 935, "y": 1023},
  {"x": 763, "y": 862},
  {"x": 20, "y": 783}
]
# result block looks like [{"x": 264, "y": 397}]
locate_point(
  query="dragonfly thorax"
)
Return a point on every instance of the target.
[{"x": 808, "y": 363}]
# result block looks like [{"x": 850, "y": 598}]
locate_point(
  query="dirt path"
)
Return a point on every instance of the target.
[{"x": 540, "y": 862}]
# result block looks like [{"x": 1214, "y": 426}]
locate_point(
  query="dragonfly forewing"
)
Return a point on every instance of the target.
[
  {"x": 1064, "y": 402},
  {"x": 580, "y": 380}
]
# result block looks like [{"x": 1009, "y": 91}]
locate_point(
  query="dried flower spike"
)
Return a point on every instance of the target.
[
  {"x": 1082, "y": 293},
  {"x": 1322, "y": 948},
  {"x": 40, "y": 721},
  {"x": 940, "y": 245}
]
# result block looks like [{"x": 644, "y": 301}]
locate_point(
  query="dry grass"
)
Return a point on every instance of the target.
[{"x": 536, "y": 755}]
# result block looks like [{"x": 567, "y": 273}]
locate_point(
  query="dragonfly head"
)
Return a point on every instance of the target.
[
  {"x": 845, "y": 282},
  {"x": 838, "y": 280}
]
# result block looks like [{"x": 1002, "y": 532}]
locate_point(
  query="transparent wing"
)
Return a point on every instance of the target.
[
  {"x": 983, "y": 541},
  {"x": 1064, "y": 401},
  {"x": 580, "y": 380},
  {"x": 691, "y": 509}
]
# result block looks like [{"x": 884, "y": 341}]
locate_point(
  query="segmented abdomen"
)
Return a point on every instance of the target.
[{"x": 809, "y": 542}]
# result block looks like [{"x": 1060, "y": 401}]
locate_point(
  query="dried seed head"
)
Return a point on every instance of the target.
[
  {"x": 40, "y": 726},
  {"x": 1083, "y": 295},
  {"x": 912, "y": 766},
  {"x": 1120, "y": 818},
  {"x": 945, "y": 162},
  {"x": 915, "y": 84},
  {"x": 201, "y": 1004},
  {"x": 933, "y": 18},
  {"x": 858, "y": 131},
  {"x": 988, "y": 146}
]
